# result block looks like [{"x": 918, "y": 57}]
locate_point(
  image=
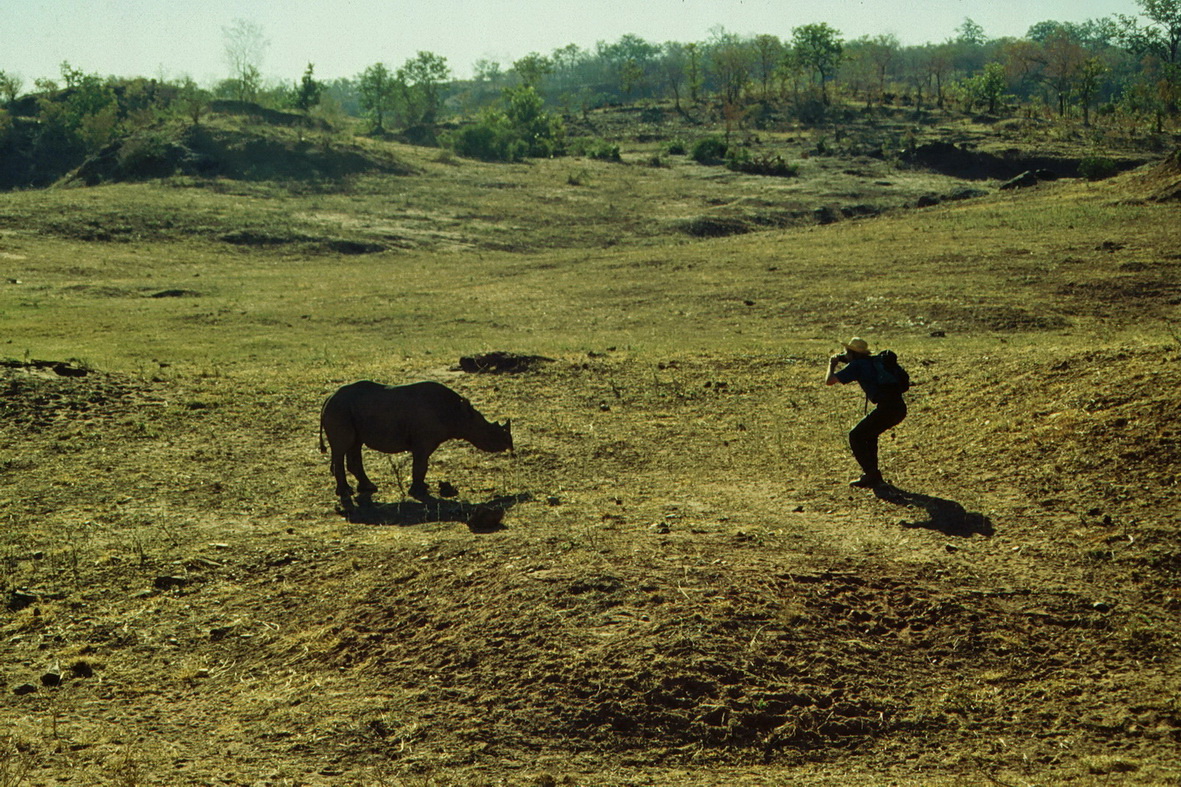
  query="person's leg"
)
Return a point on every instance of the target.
[{"x": 863, "y": 439}]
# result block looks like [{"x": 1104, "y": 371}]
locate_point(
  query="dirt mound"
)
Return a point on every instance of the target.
[
  {"x": 500, "y": 362},
  {"x": 35, "y": 395},
  {"x": 239, "y": 151},
  {"x": 708, "y": 664},
  {"x": 1164, "y": 180},
  {"x": 265, "y": 114},
  {"x": 1098, "y": 429}
]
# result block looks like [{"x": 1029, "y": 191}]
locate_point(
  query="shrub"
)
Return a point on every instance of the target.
[
  {"x": 594, "y": 148},
  {"x": 767, "y": 164},
  {"x": 710, "y": 150},
  {"x": 1097, "y": 168},
  {"x": 487, "y": 140},
  {"x": 522, "y": 129},
  {"x": 147, "y": 155},
  {"x": 677, "y": 147}
]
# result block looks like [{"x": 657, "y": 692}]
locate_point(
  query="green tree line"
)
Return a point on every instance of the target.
[{"x": 1118, "y": 70}]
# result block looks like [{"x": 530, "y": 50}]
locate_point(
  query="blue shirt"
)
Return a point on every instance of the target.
[{"x": 862, "y": 370}]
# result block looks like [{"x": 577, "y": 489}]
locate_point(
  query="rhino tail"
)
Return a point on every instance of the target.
[{"x": 323, "y": 448}]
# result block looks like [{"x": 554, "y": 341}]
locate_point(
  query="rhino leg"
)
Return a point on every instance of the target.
[
  {"x": 357, "y": 468},
  {"x": 418, "y": 487},
  {"x": 343, "y": 489}
]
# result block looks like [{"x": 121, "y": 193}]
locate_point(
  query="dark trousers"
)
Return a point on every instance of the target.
[{"x": 863, "y": 438}]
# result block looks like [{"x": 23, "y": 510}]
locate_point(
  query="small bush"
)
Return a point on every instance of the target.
[
  {"x": 677, "y": 148},
  {"x": 711, "y": 150},
  {"x": 1097, "y": 168},
  {"x": 146, "y": 156},
  {"x": 594, "y": 148},
  {"x": 488, "y": 141},
  {"x": 770, "y": 164},
  {"x": 605, "y": 151}
]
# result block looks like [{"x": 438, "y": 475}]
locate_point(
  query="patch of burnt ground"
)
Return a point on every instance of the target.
[
  {"x": 37, "y": 394},
  {"x": 501, "y": 362},
  {"x": 964, "y": 161},
  {"x": 737, "y": 666}
]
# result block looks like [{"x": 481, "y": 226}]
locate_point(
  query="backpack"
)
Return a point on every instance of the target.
[{"x": 892, "y": 378}]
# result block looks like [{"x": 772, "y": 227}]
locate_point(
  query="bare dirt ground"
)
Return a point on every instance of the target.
[{"x": 682, "y": 590}]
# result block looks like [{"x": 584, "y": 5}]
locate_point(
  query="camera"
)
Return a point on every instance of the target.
[{"x": 843, "y": 357}]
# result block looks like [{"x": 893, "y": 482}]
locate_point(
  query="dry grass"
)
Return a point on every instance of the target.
[{"x": 684, "y": 591}]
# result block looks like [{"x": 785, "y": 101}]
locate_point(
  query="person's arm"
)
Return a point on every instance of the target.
[{"x": 833, "y": 363}]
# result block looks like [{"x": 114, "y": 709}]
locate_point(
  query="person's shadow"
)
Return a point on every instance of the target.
[
  {"x": 483, "y": 517},
  {"x": 946, "y": 516}
]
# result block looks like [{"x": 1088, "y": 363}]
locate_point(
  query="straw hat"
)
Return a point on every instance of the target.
[{"x": 857, "y": 345}]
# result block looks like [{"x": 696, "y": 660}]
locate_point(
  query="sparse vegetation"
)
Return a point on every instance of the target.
[
  {"x": 1097, "y": 167},
  {"x": 710, "y": 150},
  {"x": 683, "y": 590}
]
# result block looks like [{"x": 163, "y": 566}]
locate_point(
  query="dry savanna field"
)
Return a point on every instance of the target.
[{"x": 681, "y": 589}]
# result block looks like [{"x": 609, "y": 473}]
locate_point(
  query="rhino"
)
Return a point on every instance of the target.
[{"x": 418, "y": 418}]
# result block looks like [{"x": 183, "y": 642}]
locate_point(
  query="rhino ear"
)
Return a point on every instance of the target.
[{"x": 508, "y": 424}]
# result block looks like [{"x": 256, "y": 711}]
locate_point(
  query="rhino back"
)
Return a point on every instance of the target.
[{"x": 394, "y": 418}]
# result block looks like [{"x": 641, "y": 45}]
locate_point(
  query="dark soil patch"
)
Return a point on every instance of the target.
[
  {"x": 60, "y": 368},
  {"x": 354, "y": 247},
  {"x": 35, "y": 395},
  {"x": 500, "y": 362},
  {"x": 994, "y": 317},
  {"x": 716, "y": 227},
  {"x": 176, "y": 293},
  {"x": 959, "y": 161}
]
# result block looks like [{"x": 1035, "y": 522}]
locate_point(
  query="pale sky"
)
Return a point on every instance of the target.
[{"x": 173, "y": 38}]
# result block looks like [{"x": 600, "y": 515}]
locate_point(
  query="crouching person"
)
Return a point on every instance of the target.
[{"x": 884, "y": 382}]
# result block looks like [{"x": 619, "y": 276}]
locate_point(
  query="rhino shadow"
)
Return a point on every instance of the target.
[
  {"x": 946, "y": 516},
  {"x": 482, "y": 517}
]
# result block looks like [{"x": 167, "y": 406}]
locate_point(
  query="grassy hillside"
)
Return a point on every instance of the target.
[{"x": 684, "y": 591}]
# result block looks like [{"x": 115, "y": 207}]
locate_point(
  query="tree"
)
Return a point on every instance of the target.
[
  {"x": 521, "y": 129},
  {"x": 768, "y": 55},
  {"x": 532, "y": 68},
  {"x": 85, "y": 118},
  {"x": 970, "y": 33},
  {"x": 940, "y": 64},
  {"x": 421, "y": 79},
  {"x": 377, "y": 95},
  {"x": 1090, "y": 74},
  {"x": 672, "y": 69},
  {"x": 192, "y": 100},
  {"x": 920, "y": 72},
  {"x": 10, "y": 86},
  {"x": 630, "y": 58},
  {"x": 487, "y": 70},
  {"x": 693, "y": 71},
  {"x": 1055, "y": 62},
  {"x": 730, "y": 63},
  {"x": 525, "y": 111},
  {"x": 790, "y": 71},
  {"x": 564, "y": 68},
  {"x": 308, "y": 91},
  {"x": 989, "y": 87},
  {"x": 1158, "y": 41},
  {"x": 245, "y": 47},
  {"x": 819, "y": 49},
  {"x": 1162, "y": 37},
  {"x": 881, "y": 52}
]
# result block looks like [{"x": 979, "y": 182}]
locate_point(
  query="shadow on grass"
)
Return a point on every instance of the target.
[
  {"x": 479, "y": 517},
  {"x": 946, "y": 516}
]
